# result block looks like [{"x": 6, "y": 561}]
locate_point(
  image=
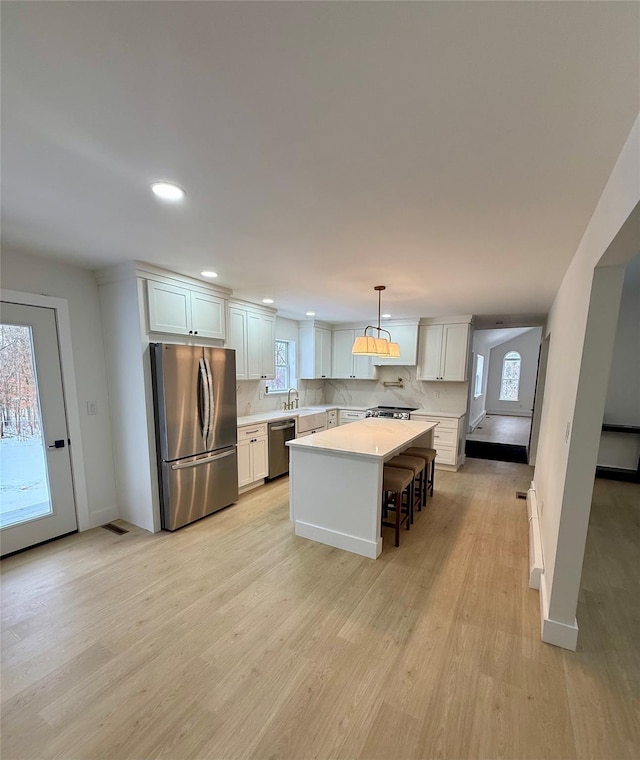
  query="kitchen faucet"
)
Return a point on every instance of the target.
[{"x": 288, "y": 404}]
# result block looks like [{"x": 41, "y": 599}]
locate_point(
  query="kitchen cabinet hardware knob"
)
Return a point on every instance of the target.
[
  {"x": 196, "y": 332},
  {"x": 190, "y": 332}
]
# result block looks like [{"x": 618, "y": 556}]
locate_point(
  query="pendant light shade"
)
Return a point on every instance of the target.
[
  {"x": 367, "y": 345},
  {"x": 364, "y": 345}
]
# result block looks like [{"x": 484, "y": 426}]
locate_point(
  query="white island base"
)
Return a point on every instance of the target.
[{"x": 335, "y": 480}]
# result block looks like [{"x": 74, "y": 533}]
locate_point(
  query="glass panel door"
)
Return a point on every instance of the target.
[
  {"x": 24, "y": 483},
  {"x": 36, "y": 486}
]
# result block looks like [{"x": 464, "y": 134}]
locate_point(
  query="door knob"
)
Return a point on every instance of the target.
[{"x": 59, "y": 444}]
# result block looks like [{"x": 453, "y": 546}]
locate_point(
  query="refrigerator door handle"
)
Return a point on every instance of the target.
[
  {"x": 204, "y": 400},
  {"x": 204, "y": 460},
  {"x": 211, "y": 417}
]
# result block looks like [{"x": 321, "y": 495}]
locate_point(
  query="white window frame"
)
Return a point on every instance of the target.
[
  {"x": 291, "y": 364},
  {"x": 510, "y": 356},
  {"x": 477, "y": 391}
]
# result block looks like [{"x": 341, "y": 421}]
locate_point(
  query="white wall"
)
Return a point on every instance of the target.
[
  {"x": 528, "y": 346},
  {"x": 623, "y": 396},
  {"x": 32, "y": 274},
  {"x": 581, "y": 326},
  {"x": 477, "y": 406}
]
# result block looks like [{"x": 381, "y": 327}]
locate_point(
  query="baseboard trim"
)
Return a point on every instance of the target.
[
  {"x": 477, "y": 421},
  {"x": 251, "y": 486},
  {"x": 361, "y": 546},
  {"x": 103, "y": 516},
  {"x": 536, "y": 560},
  {"x": 505, "y": 413},
  {"x": 553, "y": 631}
]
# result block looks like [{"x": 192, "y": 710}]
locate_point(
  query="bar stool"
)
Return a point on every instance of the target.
[
  {"x": 417, "y": 464},
  {"x": 397, "y": 481},
  {"x": 429, "y": 456}
]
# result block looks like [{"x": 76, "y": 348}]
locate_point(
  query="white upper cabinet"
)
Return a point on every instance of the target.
[
  {"x": 252, "y": 335},
  {"x": 406, "y": 336},
  {"x": 181, "y": 311},
  {"x": 261, "y": 342},
  {"x": 237, "y": 339},
  {"x": 443, "y": 351},
  {"x": 314, "y": 352},
  {"x": 343, "y": 363}
]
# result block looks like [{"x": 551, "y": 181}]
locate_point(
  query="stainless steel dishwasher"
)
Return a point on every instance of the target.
[{"x": 279, "y": 433}]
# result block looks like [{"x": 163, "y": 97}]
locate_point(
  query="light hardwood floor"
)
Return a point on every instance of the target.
[
  {"x": 232, "y": 638},
  {"x": 503, "y": 428}
]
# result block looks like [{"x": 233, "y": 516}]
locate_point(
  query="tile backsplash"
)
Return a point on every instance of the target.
[
  {"x": 248, "y": 394},
  {"x": 452, "y": 397}
]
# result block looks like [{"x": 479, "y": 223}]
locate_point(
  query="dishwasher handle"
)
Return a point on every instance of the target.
[{"x": 282, "y": 427}]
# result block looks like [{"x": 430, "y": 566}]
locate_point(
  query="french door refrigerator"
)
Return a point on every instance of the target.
[{"x": 194, "y": 390}]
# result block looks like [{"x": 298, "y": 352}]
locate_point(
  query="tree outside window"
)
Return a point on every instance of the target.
[
  {"x": 510, "y": 384},
  {"x": 282, "y": 380}
]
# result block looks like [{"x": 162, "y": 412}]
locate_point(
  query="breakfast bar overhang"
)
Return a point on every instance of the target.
[{"x": 335, "y": 480}]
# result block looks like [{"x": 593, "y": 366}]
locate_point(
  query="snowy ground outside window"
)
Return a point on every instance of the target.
[{"x": 24, "y": 490}]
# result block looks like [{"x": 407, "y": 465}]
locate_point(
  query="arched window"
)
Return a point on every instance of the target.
[{"x": 510, "y": 383}]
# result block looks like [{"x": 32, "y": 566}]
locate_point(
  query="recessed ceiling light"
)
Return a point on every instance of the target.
[
  {"x": 167, "y": 191},
  {"x": 267, "y": 300},
  {"x": 310, "y": 313},
  {"x": 386, "y": 316},
  {"x": 209, "y": 273}
]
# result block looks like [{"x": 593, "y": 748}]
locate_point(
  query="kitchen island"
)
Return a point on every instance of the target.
[{"x": 335, "y": 480}]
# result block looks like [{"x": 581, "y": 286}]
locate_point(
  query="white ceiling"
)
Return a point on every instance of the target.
[
  {"x": 489, "y": 339},
  {"x": 451, "y": 151}
]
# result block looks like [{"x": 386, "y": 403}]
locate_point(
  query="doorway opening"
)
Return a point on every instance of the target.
[{"x": 502, "y": 393}]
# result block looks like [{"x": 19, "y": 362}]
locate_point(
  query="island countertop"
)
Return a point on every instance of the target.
[{"x": 373, "y": 437}]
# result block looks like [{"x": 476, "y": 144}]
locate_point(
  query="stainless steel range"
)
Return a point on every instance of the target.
[{"x": 392, "y": 412}]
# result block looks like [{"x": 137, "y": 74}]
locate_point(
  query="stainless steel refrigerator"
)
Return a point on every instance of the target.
[{"x": 194, "y": 390}]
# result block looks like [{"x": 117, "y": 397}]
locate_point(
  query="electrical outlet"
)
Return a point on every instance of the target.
[
  {"x": 92, "y": 407},
  {"x": 436, "y": 394},
  {"x": 261, "y": 395},
  {"x": 567, "y": 432}
]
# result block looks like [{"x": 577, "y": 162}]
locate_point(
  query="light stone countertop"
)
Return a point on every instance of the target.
[
  {"x": 279, "y": 414},
  {"x": 372, "y": 437},
  {"x": 431, "y": 413}
]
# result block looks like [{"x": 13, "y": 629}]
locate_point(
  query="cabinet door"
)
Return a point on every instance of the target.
[
  {"x": 322, "y": 352},
  {"x": 430, "y": 352},
  {"x": 341, "y": 356},
  {"x": 362, "y": 365},
  {"x": 254, "y": 346},
  {"x": 237, "y": 339},
  {"x": 245, "y": 474},
  {"x": 455, "y": 352},
  {"x": 169, "y": 308},
  {"x": 268, "y": 347},
  {"x": 406, "y": 336},
  {"x": 207, "y": 315},
  {"x": 260, "y": 456}
]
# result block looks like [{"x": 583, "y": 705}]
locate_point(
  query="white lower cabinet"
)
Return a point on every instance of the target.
[
  {"x": 447, "y": 440},
  {"x": 345, "y": 416},
  {"x": 253, "y": 454}
]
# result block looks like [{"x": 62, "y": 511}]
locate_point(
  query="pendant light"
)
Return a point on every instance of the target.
[{"x": 370, "y": 345}]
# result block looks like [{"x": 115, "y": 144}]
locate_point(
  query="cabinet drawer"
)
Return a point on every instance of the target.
[
  {"x": 350, "y": 416},
  {"x": 445, "y": 455},
  {"x": 444, "y": 423},
  {"x": 252, "y": 431},
  {"x": 443, "y": 436}
]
